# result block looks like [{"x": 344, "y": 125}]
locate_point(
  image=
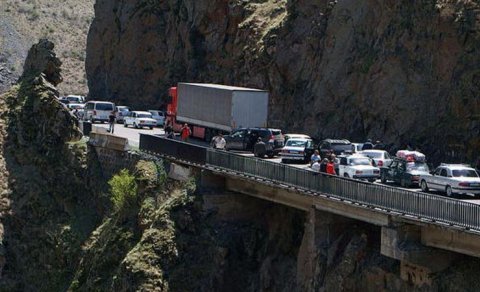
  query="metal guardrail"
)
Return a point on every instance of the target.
[
  {"x": 421, "y": 205},
  {"x": 172, "y": 147}
]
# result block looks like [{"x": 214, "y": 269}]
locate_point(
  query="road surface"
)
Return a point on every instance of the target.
[{"x": 133, "y": 136}]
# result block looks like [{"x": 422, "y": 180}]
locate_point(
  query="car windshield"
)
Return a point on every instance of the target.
[
  {"x": 360, "y": 161},
  {"x": 144, "y": 116},
  {"x": 373, "y": 154},
  {"x": 420, "y": 166},
  {"x": 342, "y": 146},
  {"x": 464, "y": 173},
  {"x": 296, "y": 143}
]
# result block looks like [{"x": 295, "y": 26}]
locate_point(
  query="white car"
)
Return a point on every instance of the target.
[
  {"x": 381, "y": 158},
  {"x": 139, "y": 119},
  {"x": 296, "y": 136},
  {"x": 121, "y": 112},
  {"x": 452, "y": 179},
  {"x": 297, "y": 150},
  {"x": 159, "y": 116},
  {"x": 357, "y": 166},
  {"x": 357, "y": 147},
  {"x": 98, "y": 111}
]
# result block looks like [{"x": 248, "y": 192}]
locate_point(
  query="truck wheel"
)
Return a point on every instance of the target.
[
  {"x": 449, "y": 191},
  {"x": 383, "y": 178},
  {"x": 423, "y": 186}
]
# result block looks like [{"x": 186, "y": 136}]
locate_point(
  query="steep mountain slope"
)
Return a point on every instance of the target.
[
  {"x": 399, "y": 71},
  {"x": 66, "y": 22}
]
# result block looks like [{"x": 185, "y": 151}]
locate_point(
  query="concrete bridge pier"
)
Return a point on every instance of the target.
[
  {"x": 321, "y": 229},
  {"x": 417, "y": 261}
]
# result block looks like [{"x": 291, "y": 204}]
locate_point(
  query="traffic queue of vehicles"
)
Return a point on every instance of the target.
[{"x": 241, "y": 114}]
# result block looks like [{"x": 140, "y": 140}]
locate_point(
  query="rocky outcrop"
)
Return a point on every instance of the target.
[{"x": 399, "y": 71}]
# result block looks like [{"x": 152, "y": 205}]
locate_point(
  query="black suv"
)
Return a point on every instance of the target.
[
  {"x": 338, "y": 147},
  {"x": 245, "y": 139}
]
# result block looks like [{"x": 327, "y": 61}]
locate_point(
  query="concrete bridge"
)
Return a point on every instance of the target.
[{"x": 426, "y": 232}]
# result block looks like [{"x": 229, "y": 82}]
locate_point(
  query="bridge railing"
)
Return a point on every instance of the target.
[
  {"x": 420, "y": 205},
  {"x": 174, "y": 148},
  {"x": 415, "y": 204}
]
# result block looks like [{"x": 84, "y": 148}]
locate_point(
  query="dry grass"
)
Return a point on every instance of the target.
[{"x": 65, "y": 22}]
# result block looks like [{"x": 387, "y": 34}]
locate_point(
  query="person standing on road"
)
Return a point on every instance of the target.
[
  {"x": 219, "y": 142},
  {"x": 169, "y": 130},
  {"x": 331, "y": 167},
  {"x": 185, "y": 132},
  {"x": 111, "y": 121},
  {"x": 315, "y": 157}
]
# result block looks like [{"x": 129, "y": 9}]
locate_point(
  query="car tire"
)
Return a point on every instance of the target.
[
  {"x": 371, "y": 180},
  {"x": 125, "y": 125},
  {"x": 151, "y": 128},
  {"x": 383, "y": 178},
  {"x": 135, "y": 125},
  {"x": 449, "y": 191},
  {"x": 270, "y": 155},
  {"x": 283, "y": 161},
  {"x": 346, "y": 175},
  {"x": 424, "y": 186},
  {"x": 403, "y": 184}
]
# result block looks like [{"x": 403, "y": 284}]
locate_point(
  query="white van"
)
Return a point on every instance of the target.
[{"x": 98, "y": 111}]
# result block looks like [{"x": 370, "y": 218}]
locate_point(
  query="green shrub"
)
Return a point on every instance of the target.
[{"x": 123, "y": 188}]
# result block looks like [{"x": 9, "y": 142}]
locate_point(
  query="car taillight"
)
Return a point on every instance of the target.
[
  {"x": 380, "y": 163},
  {"x": 464, "y": 184},
  {"x": 358, "y": 172}
]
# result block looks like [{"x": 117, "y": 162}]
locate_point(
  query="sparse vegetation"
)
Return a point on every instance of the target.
[{"x": 123, "y": 188}]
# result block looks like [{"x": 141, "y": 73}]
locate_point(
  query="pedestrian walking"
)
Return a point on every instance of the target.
[
  {"x": 111, "y": 121},
  {"x": 185, "y": 132}
]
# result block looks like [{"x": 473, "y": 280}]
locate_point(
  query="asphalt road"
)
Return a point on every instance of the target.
[{"x": 133, "y": 136}]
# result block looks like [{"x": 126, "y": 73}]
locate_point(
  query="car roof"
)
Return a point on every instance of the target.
[
  {"x": 97, "y": 101},
  {"x": 141, "y": 112},
  {"x": 300, "y": 139},
  {"x": 456, "y": 166},
  {"x": 374, "y": 151}
]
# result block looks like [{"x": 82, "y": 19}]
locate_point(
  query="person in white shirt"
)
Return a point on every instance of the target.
[
  {"x": 219, "y": 142},
  {"x": 316, "y": 166}
]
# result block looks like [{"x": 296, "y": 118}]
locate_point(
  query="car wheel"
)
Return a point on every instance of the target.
[
  {"x": 449, "y": 191},
  {"x": 151, "y": 128},
  {"x": 283, "y": 161},
  {"x": 371, "y": 180},
  {"x": 423, "y": 186},
  {"x": 270, "y": 155},
  {"x": 125, "y": 125},
  {"x": 346, "y": 175},
  {"x": 383, "y": 178},
  {"x": 403, "y": 183},
  {"x": 135, "y": 125}
]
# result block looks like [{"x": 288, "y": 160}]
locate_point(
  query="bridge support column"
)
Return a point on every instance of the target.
[
  {"x": 418, "y": 262},
  {"x": 321, "y": 229}
]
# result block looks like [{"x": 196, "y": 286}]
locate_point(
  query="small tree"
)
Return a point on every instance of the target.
[{"x": 123, "y": 188}]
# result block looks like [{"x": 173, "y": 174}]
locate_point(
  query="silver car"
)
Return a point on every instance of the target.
[{"x": 452, "y": 179}]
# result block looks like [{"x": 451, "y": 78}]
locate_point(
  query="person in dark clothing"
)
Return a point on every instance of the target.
[
  {"x": 169, "y": 130},
  {"x": 323, "y": 165},
  {"x": 111, "y": 121},
  {"x": 367, "y": 145},
  {"x": 259, "y": 149}
]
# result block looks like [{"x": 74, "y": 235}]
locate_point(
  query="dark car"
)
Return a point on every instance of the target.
[
  {"x": 404, "y": 172},
  {"x": 245, "y": 139},
  {"x": 338, "y": 147}
]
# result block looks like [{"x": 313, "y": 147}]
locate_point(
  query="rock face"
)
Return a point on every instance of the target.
[{"x": 398, "y": 71}]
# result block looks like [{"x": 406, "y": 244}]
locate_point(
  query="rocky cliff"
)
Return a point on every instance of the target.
[{"x": 398, "y": 71}]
